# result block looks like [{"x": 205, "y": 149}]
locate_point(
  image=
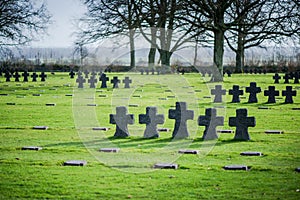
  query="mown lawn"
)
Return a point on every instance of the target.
[{"x": 129, "y": 173}]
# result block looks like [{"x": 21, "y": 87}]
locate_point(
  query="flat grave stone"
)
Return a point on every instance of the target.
[
  {"x": 295, "y": 108},
  {"x": 198, "y": 90},
  {"x": 171, "y": 97},
  {"x": 207, "y": 97},
  {"x": 263, "y": 108},
  {"x": 225, "y": 131},
  {"x": 133, "y": 105},
  {"x": 274, "y": 132},
  {"x": 26, "y": 88},
  {"x": 33, "y": 148},
  {"x": 91, "y": 104},
  {"x": 50, "y": 104},
  {"x": 165, "y": 166},
  {"x": 137, "y": 96},
  {"x": 163, "y": 129},
  {"x": 251, "y": 153},
  {"x": 188, "y": 151},
  {"x": 75, "y": 163},
  {"x": 11, "y": 103},
  {"x": 100, "y": 129},
  {"x": 52, "y": 89},
  {"x": 40, "y": 127},
  {"x": 237, "y": 167},
  {"x": 163, "y": 99},
  {"x": 102, "y": 95},
  {"x": 168, "y": 90},
  {"x": 297, "y": 169},
  {"x": 109, "y": 150},
  {"x": 3, "y": 94},
  {"x": 69, "y": 95}
]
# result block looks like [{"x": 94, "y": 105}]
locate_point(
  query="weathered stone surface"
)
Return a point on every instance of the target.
[
  {"x": 101, "y": 129},
  {"x": 32, "y": 148},
  {"x": 165, "y": 166},
  {"x": 75, "y": 163},
  {"x": 274, "y": 132},
  {"x": 41, "y": 127},
  {"x": 237, "y": 167},
  {"x": 251, "y": 153},
  {"x": 188, "y": 151},
  {"x": 110, "y": 150}
]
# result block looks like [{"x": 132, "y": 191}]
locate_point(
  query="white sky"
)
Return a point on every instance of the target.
[{"x": 60, "y": 31}]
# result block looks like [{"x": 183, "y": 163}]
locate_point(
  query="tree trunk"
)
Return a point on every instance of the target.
[
  {"x": 132, "y": 49},
  {"x": 152, "y": 52},
  {"x": 218, "y": 56},
  {"x": 165, "y": 59},
  {"x": 239, "y": 57},
  {"x": 195, "y": 53}
]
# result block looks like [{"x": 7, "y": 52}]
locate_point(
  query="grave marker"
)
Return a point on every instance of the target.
[
  {"x": 72, "y": 74},
  {"x": 181, "y": 115},
  {"x": 286, "y": 78},
  {"x": 40, "y": 127},
  {"x": 242, "y": 122},
  {"x": 127, "y": 81},
  {"x": 151, "y": 119},
  {"x": 274, "y": 132},
  {"x": 43, "y": 76},
  {"x": 103, "y": 80},
  {"x": 25, "y": 74},
  {"x": 237, "y": 167},
  {"x": 251, "y": 153},
  {"x": 187, "y": 151},
  {"x": 121, "y": 119},
  {"x": 210, "y": 121},
  {"x": 75, "y": 163},
  {"x": 289, "y": 93},
  {"x": 32, "y": 148},
  {"x": 17, "y": 76},
  {"x": 34, "y": 76},
  {"x": 92, "y": 82},
  {"x": 109, "y": 150},
  {"x": 271, "y": 93},
  {"x": 276, "y": 78},
  {"x": 165, "y": 166},
  {"x": 115, "y": 81},
  {"x": 253, "y": 90},
  {"x": 86, "y": 73},
  {"x": 7, "y": 76},
  {"x": 218, "y": 92},
  {"x": 296, "y": 76},
  {"x": 236, "y": 92},
  {"x": 80, "y": 80}
]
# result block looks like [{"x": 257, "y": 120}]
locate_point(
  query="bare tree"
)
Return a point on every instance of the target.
[
  {"x": 20, "y": 21},
  {"x": 107, "y": 19},
  {"x": 264, "y": 20}
]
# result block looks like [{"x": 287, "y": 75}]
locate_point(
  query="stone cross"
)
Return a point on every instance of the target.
[
  {"x": 142, "y": 72},
  {"x": 151, "y": 119},
  {"x": 242, "y": 122},
  {"x": 289, "y": 93},
  {"x": 210, "y": 121},
  {"x": 286, "y": 78},
  {"x": 103, "y": 80},
  {"x": 25, "y": 74},
  {"x": 43, "y": 76},
  {"x": 127, "y": 81},
  {"x": 236, "y": 92},
  {"x": 218, "y": 92},
  {"x": 121, "y": 119},
  {"x": 71, "y": 74},
  {"x": 80, "y": 80},
  {"x": 92, "y": 81},
  {"x": 276, "y": 78},
  {"x": 181, "y": 115},
  {"x": 253, "y": 90},
  {"x": 86, "y": 74},
  {"x": 34, "y": 76},
  {"x": 271, "y": 93},
  {"x": 7, "y": 76},
  {"x": 115, "y": 81},
  {"x": 17, "y": 76},
  {"x": 147, "y": 71}
]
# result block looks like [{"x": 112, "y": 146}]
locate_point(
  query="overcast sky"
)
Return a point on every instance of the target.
[{"x": 60, "y": 31}]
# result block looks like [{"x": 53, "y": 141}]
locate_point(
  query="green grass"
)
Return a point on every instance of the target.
[{"x": 129, "y": 174}]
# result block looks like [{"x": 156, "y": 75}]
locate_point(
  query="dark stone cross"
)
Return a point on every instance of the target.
[
  {"x": 94, "y": 73},
  {"x": 92, "y": 81},
  {"x": 86, "y": 73},
  {"x": 103, "y": 80},
  {"x": 153, "y": 71},
  {"x": 242, "y": 122},
  {"x": 121, "y": 119},
  {"x": 127, "y": 81},
  {"x": 276, "y": 78},
  {"x": 72, "y": 74},
  {"x": 34, "y": 76},
  {"x": 296, "y": 76},
  {"x": 17, "y": 76},
  {"x": 115, "y": 81},
  {"x": 289, "y": 93},
  {"x": 236, "y": 92},
  {"x": 253, "y": 90},
  {"x": 151, "y": 119},
  {"x": 142, "y": 72},
  {"x": 147, "y": 71},
  {"x": 271, "y": 93},
  {"x": 286, "y": 78},
  {"x": 7, "y": 76},
  {"x": 181, "y": 115},
  {"x": 218, "y": 92},
  {"x": 43, "y": 76},
  {"x": 25, "y": 74},
  {"x": 80, "y": 80},
  {"x": 210, "y": 121}
]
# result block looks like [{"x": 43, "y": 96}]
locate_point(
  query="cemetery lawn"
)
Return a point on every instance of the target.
[{"x": 41, "y": 174}]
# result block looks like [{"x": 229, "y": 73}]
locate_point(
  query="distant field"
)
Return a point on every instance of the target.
[{"x": 129, "y": 173}]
